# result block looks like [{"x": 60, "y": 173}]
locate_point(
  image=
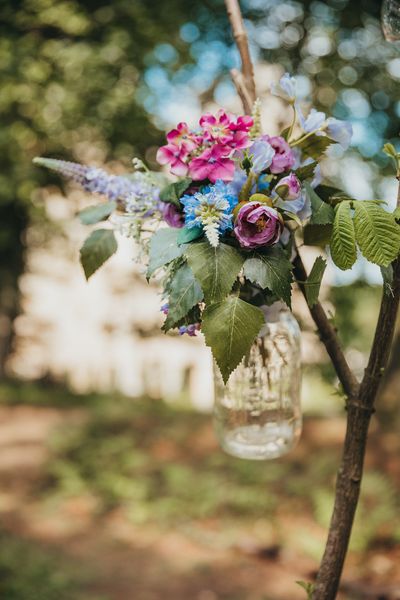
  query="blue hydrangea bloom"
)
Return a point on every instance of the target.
[{"x": 212, "y": 209}]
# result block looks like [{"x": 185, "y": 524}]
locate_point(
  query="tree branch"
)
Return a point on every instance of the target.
[
  {"x": 350, "y": 472},
  {"x": 328, "y": 336},
  {"x": 247, "y": 87}
]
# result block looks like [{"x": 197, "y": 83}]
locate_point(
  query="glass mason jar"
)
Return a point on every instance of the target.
[{"x": 257, "y": 414}]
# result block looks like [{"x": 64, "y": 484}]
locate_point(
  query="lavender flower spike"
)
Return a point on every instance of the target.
[{"x": 136, "y": 192}]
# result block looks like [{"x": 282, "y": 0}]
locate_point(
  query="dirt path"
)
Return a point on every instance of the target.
[{"x": 123, "y": 561}]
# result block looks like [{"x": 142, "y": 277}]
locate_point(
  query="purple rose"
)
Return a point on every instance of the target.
[
  {"x": 258, "y": 225},
  {"x": 289, "y": 188},
  {"x": 172, "y": 215},
  {"x": 284, "y": 158}
]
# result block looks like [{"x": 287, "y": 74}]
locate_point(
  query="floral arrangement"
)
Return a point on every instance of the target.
[{"x": 222, "y": 236}]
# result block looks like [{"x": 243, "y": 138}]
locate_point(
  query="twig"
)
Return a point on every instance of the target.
[
  {"x": 240, "y": 35},
  {"x": 328, "y": 336}
]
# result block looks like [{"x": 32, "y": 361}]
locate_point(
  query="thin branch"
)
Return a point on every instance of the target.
[
  {"x": 240, "y": 35},
  {"x": 328, "y": 336},
  {"x": 242, "y": 91}
]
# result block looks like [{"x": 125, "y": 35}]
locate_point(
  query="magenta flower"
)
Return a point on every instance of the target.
[
  {"x": 226, "y": 130},
  {"x": 212, "y": 164},
  {"x": 175, "y": 156},
  {"x": 217, "y": 127},
  {"x": 258, "y": 225},
  {"x": 172, "y": 215},
  {"x": 289, "y": 188},
  {"x": 182, "y": 135},
  {"x": 243, "y": 123},
  {"x": 284, "y": 158}
]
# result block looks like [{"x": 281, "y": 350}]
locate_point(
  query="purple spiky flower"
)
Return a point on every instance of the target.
[{"x": 137, "y": 192}]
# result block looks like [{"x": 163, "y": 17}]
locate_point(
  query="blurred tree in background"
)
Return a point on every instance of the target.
[{"x": 88, "y": 80}]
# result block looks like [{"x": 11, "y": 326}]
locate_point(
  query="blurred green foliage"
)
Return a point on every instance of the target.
[{"x": 28, "y": 572}]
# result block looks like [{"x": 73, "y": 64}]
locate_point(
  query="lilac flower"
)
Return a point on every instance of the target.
[
  {"x": 190, "y": 330},
  {"x": 339, "y": 131},
  {"x": 165, "y": 308},
  {"x": 262, "y": 154},
  {"x": 258, "y": 225},
  {"x": 289, "y": 188},
  {"x": 284, "y": 157},
  {"x": 286, "y": 88},
  {"x": 172, "y": 215},
  {"x": 137, "y": 192},
  {"x": 313, "y": 122}
]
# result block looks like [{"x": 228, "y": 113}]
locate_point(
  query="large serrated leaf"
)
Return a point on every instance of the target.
[
  {"x": 97, "y": 248},
  {"x": 216, "y": 269},
  {"x": 322, "y": 213},
  {"x": 185, "y": 292},
  {"x": 313, "y": 283},
  {"x": 230, "y": 327},
  {"x": 377, "y": 233},
  {"x": 164, "y": 248},
  {"x": 271, "y": 270},
  {"x": 97, "y": 213},
  {"x": 343, "y": 242}
]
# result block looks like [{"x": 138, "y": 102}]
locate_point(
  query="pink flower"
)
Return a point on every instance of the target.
[
  {"x": 243, "y": 123},
  {"x": 289, "y": 188},
  {"x": 175, "y": 156},
  {"x": 284, "y": 158},
  {"x": 258, "y": 225},
  {"x": 212, "y": 164},
  {"x": 217, "y": 127},
  {"x": 227, "y": 130},
  {"x": 182, "y": 135}
]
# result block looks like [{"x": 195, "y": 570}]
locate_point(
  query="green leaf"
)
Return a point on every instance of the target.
[
  {"x": 322, "y": 213},
  {"x": 230, "y": 327},
  {"x": 317, "y": 235},
  {"x": 377, "y": 233},
  {"x": 185, "y": 292},
  {"x": 188, "y": 234},
  {"x": 330, "y": 194},
  {"x": 163, "y": 249},
  {"x": 343, "y": 243},
  {"x": 272, "y": 270},
  {"x": 313, "y": 283},
  {"x": 173, "y": 191},
  {"x": 308, "y": 587},
  {"x": 99, "y": 212},
  {"x": 291, "y": 216},
  {"x": 216, "y": 269},
  {"x": 98, "y": 247},
  {"x": 307, "y": 171},
  {"x": 314, "y": 146}
]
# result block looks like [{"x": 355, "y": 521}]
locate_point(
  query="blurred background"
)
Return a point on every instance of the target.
[{"x": 112, "y": 486}]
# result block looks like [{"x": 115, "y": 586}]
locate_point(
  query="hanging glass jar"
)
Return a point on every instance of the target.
[
  {"x": 391, "y": 20},
  {"x": 257, "y": 415}
]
